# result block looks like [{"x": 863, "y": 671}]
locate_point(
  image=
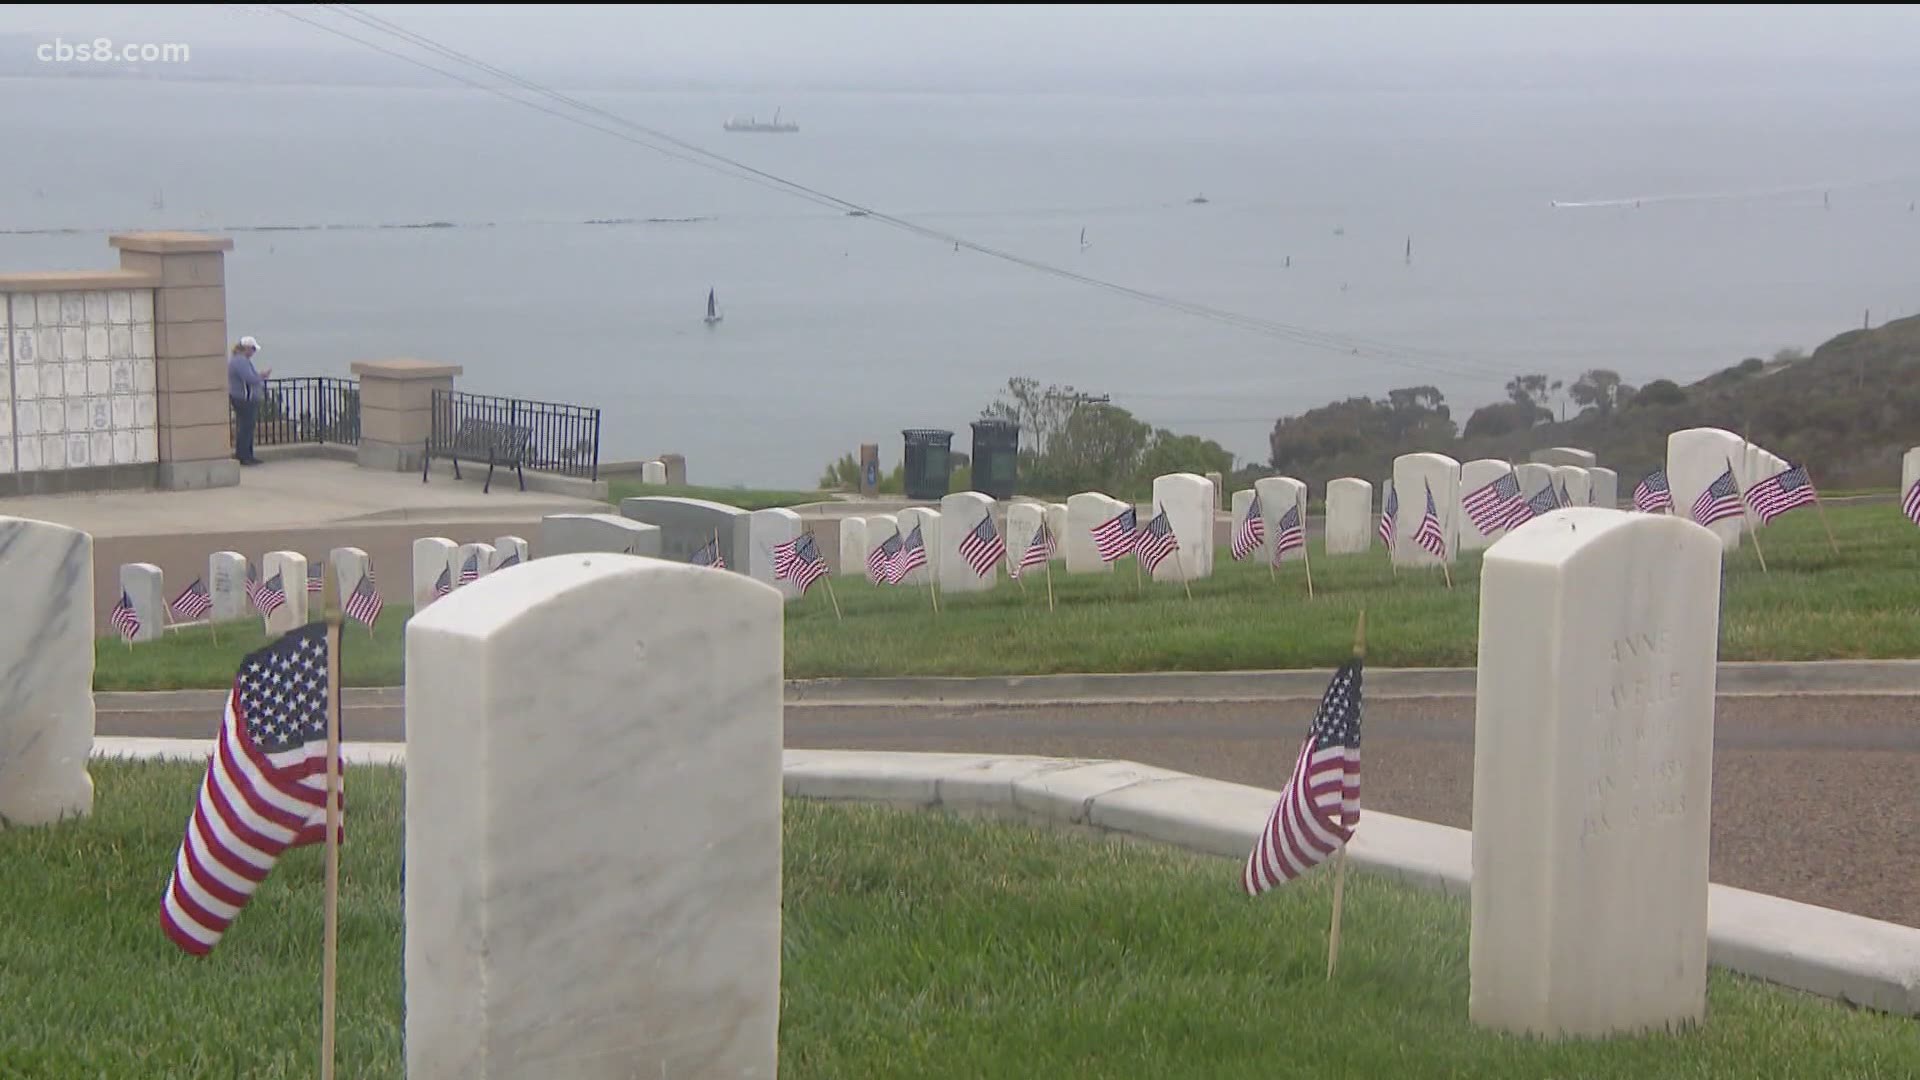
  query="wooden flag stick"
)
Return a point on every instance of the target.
[
  {"x": 934, "y": 592},
  {"x": 1340, "y": 867},
  {"x": 330, "y": 945},
  {"x": 1306, "y": 556},
  {"x": 1049, "y": 584},
  {"x": 1746, "y": 516},
  {"x": 828, "y": 578},
  {"x": 1820, "y": 506},
  {"x": 1448, "y": 571}
]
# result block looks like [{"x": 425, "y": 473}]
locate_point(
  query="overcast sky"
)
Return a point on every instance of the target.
[{"x": 1053, "y": 45}]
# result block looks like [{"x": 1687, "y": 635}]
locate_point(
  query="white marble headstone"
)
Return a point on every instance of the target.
[
  {"x": 1057, "y": 525},
  {"x": 1695, "y": 458},
  {"x": 929, "y": 523},
  {"x": 961, "y": 513},
  {"x": 1188, "y": 501},
  {"x": 227, "y": 587},
  {"x": 483, "y": 557},
  {"x": 1023, "y": 524},
  {"x": 1565, "y": 455},
  {"x": 1574, "y": 481},
  {"x": 432, "y": 555},
  {"x": 653, "y": 473},
  {"x": 1475, "y": 475},
  {"x": 1909, "y": 471},
  {"x": 292, "y": 568},
  {"x": 1534, "y": 478},
  {"x": 1277, "y": 493},
  {"x": 350, "y": 564},
  {"x": 505, "y": 546},
  {"x": 1349, "y": 516},
  {"x": 853, "y": 546},
  {"x": 1085, "y": 512},
  {"x": 1242, "y": 502},
  {"x": 593, "y": 825},
  {"x": 46, "y": 672},
  {"x": 145, "y": 587},
  {"x": 567, "y": 534},
  {"x": 767, "y": 529},
  {"x": 879, "y": 528},
  {"x": 1593, "y": 775},
  {"x": 1219, "y": 488},
  {"x": 1413, "y": 476},
  {"x": 1606, "y": 488}
]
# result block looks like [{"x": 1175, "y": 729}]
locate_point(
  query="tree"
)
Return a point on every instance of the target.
[
  {"x": 1660, "y": 392},
  {"x": 1171, "y": 453},
  {"x": 842, "y": 475},
  {"x": 1097, "y": 449},
  {"x": 1041, "y": 414},
  {"x": 1599, "y": 388},
  {"x": 1503, "y": 418}
]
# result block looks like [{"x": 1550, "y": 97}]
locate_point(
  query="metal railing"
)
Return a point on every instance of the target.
[
  {"x": 309, "y": 409},
  {"x": 558, "y": 438}
]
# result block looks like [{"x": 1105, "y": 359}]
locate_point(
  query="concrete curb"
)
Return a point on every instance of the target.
[
  {"x": 1834, "y": 954},
  {"x": 1831, "y": 953},
  {"x": 1735, "y": 678}
]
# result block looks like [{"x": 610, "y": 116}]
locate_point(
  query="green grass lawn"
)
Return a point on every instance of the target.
[
  {"x": 1812, "y": 605},
  {"x": 744, "y": 498},
  {"x": 914, "y": 945}
]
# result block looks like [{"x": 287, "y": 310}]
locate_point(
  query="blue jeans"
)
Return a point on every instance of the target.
[{"x": 244, "y": 413}]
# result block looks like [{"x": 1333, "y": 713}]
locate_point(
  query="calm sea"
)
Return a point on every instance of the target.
[{"x": 1762, "y": 221}]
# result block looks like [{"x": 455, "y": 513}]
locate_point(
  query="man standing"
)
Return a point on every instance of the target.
[{"x": 245, "y": 389}]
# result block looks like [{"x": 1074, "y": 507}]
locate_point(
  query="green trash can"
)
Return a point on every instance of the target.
[
  {"x": 928, "y": 462},
  {"x": 996, "y": 457}
]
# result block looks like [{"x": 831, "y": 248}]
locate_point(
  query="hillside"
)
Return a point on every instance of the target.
[{"x": 1849, "y": 411}]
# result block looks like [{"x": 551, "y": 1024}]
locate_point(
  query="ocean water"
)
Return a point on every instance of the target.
[{"x": 1694, "y": 230}]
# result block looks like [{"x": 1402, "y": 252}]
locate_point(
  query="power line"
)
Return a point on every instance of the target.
[{"x": 1404, "y": 356}]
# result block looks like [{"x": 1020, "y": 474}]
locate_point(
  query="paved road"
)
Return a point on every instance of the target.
[{"x": 1815, "y": 798}]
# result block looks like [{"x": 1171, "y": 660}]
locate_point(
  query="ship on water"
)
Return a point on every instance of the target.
[{"x": 748, "y": 123}]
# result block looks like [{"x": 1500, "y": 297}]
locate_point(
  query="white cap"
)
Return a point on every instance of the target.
[{"x": 249, "y": 343}]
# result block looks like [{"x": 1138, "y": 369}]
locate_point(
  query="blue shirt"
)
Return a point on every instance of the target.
[{"x": 243, "y": 382}]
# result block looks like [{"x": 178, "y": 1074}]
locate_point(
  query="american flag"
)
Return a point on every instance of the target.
[
  {"x": 1565, "y": 499},
  {"x": 365, "y": 603},
  {"x": 1252, "y": 531},
  {"x": 1039, "y": 550},
  {"x": 512, "y": 558},
  {"x": 911, "y": 556},
  {"x": 1496, "y": 506},
  {"x": 316, "y": 576},
  {"x": 193, "y": 602},
  {"x": 1781, "y": 492},
  {"x": 1320, "y": 805},
  {"x": 269, "y": 596},
  {"x": 1653, "y": 494},
  {"x": 1289, "y": 534},
  {"x": 1544, "y": 501},
  {"x": 799, "y": 561},
  {"x": 1911, "y": 506},
  {"x": 1429, "y": 536},
  {"x": 1387, "y": 511},
  {"x": 880, "y": 560},
  {"x": 983, "y": 548},
  {"x": 124, "y": 617},
  {"x": 264, "y": 790},
  {"x": 1720, "y": 501},
  {"x": 1114, "y": 537},
  {"x": 1155, "y": 542},
  {"x": 470, "y": 570},
  {"x": 443, "y": 584},
  {"x": 709, "y": 555}
]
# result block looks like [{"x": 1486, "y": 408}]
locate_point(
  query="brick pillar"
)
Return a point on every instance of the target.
[
  {"x": 190, "y": 353},
  {"x": 396, "y": 410}
]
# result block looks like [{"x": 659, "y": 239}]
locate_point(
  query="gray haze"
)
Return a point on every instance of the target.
[{"x": 1147, "y": 49}]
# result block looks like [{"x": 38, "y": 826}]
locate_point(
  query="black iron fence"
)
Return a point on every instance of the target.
[
  {"x": 541, "y": 435},
  {"x": 309, "y": 409}
]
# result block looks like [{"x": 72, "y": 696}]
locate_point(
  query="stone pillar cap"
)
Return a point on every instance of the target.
[{"x": 170, "y": 243}]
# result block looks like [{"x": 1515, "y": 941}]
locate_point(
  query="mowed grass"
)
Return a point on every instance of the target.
[
  {"x": 744, "y": 498},
  {"x": 913, "y": 945},
  {"x": 1863, "y": 603}
]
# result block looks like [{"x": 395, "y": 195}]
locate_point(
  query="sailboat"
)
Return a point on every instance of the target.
[
  {"x": 1083, "y": 239},
  {"x": 713, "y": 313}
]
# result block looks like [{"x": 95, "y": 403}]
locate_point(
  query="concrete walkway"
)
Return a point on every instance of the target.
[{"x": 292, "y": 494}]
